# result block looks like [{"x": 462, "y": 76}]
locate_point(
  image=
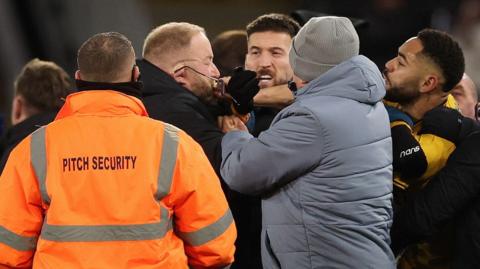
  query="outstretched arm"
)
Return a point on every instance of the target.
[
  {"x": 277, "y": 97},
  {"x": 257, "y": 165}
]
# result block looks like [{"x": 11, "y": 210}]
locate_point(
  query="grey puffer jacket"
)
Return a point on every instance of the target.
[{"x": 324, "y": 170}]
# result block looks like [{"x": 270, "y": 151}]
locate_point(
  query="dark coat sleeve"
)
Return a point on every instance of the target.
[
  {"x": 447, "y": 194},
  {"x": 408, "y": 166}
]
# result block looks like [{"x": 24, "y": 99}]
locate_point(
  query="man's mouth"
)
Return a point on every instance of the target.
[
  {"x": 386, "y": 80},
  {"x": 385, "y": 75},
  {"x": 264, "y": 77}
]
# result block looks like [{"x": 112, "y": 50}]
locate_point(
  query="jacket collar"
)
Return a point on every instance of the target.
[
  {"x": 101, "y": 102},
  {"x": 156, "y": 80},
  {"x": 133, "y": 88}
]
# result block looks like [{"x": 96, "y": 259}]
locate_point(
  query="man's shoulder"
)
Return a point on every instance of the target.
[
  {"x": 469, "y": 147},
  {"x": 182, "y": 110},
  {"x": 171, "y": 103},
  {"x": 18, "y": 132},
  {"x": 168, "y": 95},
  {"x": 302, "y": 114}
]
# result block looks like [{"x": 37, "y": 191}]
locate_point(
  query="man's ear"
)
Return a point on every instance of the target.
[
  {"x": 179, "y": 76},
  {"x": 18, "y": 107},
  {"x": 430, "y": 83},
  {"x": 136, "y": 73},
  {"x": 77, "y": 75}
]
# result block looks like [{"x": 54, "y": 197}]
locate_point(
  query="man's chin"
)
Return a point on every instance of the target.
[
  {"x": 400, "y": 99},
  {"x": 265, "y": 83},
  {"x": 389, "y": 98}
]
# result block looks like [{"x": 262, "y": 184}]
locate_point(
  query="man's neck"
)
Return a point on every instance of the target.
[{"x": 422, "y": 105}]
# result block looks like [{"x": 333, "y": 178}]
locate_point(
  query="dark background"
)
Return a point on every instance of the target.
[{"x": 54, "y": 29}]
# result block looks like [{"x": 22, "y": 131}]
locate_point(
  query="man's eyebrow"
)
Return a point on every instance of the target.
[
  {"x": 276, "y": 48},
  {"x": 402, "y": 55}
]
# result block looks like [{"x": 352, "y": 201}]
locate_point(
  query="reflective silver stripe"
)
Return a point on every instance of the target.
[
  {"x": 18, "y": 242},
  {"x": 167, "y": 161},
  {"x": 164, "y": 216},
  {"x": 38, "y": 157},
  {"x": 101, "y": 233},
  {"x": 209, "y": 232}
]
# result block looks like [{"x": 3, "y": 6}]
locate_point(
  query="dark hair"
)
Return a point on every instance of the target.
[
  {"x": 273, "y": 22},
  {"x": 229, "y": 48},
  {"x": 445, "y": 52},
  {"x": 103, "y": 57},
  {"x": 43, "y": 84}
]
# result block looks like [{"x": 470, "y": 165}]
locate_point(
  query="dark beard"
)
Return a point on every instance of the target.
[
  {"x": 204, "y": 92},
  {"x": 208, "y": 99},
  {"x": 401, "y": 96}
]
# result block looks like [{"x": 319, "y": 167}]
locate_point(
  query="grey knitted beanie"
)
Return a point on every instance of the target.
[{"x": 321, "y": 44}]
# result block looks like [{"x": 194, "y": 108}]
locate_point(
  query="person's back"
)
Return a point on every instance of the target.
[
  {"x": 346, "y": 197},
  {"x": 327, "y": 188},
  {"x": 112, "y": 183}
]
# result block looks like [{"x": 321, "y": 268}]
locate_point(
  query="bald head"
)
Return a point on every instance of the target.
[
  {"x": 168, "y": 43},
  {"x": 106, "y": 57},
  {"x": 465, "y": 93}
]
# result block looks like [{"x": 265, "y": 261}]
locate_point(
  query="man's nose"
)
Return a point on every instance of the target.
[
  {"x": 385, "y": 72},
  {"x": 214, "y": 71},
  {"x": 265, "y": 60},
  {"x": 389, "y": 67}
]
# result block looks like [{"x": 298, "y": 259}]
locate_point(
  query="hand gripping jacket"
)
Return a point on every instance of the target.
[{"x": 104, "y": 186}]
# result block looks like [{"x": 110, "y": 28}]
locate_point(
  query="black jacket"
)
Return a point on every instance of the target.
[
  {"x": 263, "y": 118},
  {"x": 18, "y": 132},
  {"x": 168, "y": 101},
  {"x": 452, "y": 197}
]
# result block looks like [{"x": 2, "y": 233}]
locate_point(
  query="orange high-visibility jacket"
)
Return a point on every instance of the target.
[{"x": 104, "y": 186}]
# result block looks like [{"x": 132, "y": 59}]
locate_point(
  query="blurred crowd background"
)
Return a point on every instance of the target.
[{"x": 54, "y": 29}]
